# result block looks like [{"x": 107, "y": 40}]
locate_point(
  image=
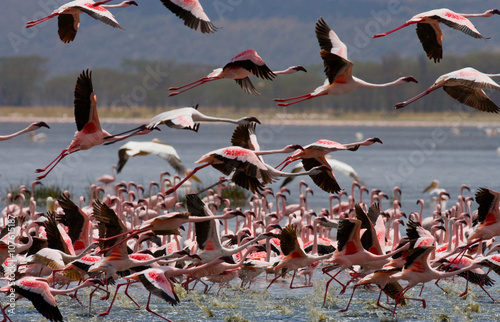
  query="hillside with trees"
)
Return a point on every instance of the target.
[{"x": 144, "y": 83}]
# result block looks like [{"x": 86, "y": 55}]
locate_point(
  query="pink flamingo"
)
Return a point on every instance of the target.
[
  {"x": 38, "y": 291},
  {"x": 89, "y": 132},
  {"x": 467, "y": 86},
  {"x": 239, "y": 68},
  {"x": 338, "y": 69},
  {"x": 192, "y": 13},
  {"x": 313, "y": 155},
  {"x": 246, "y": 166},
  {"x": 429, "y": 32},
  {"x": 68, "y": 16},
  {"x": 32, "y": 127},
  {"x": 106, "y": 178}
]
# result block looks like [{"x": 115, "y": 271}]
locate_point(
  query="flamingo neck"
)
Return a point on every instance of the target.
[{"x": 365, "y": 84}]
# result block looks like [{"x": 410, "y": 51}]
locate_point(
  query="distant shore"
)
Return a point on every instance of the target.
[{"x": 141, "y": 115}]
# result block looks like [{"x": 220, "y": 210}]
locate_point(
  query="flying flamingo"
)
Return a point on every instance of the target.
[
  {"x": 239, "y": 68},
  {"x": 313, "y": 155},
  {"x": 89, "y": 132},
  {"x": 338, "y": 69},
  {"x": 295, "y": 257},
  {"x": 38, "y": 291},
  {"x": 192, "y": 13},
  {"x": 336, "y": 165},
  {"x": 467, "y": 86},
  {"x": 68, "y": 16},
  {"x": 32, "y": 127},
  {"x": 186, "y": 118},
  {"x": 246, "y": 166},
  {"x": 429, "y": 32}
]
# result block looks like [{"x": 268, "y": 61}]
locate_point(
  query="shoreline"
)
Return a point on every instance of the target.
[{"x": 267, "y": 116}]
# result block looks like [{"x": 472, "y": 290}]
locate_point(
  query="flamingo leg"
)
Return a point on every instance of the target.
[
  {"x": 286, "y": 159},
  {"x": 274, "y": 279},
  {"x": 114, "y": 297},
  {"x": 130, "y": 297},
  {"x": 333, "y": 277},
  {"x": 151, "y": 311},
  {"x": 61, "y": 156},
  {"x": 302, "y": 286},
  {"x": 421, "y": 290},
  {"x": 352, "y": 294},
  {"x": 188, "y": 87},
  {"x": 378, "y": 302},
  {"x": 406, "y": 24},
  {"x": 171, "y": 190},
  {"x": 413, "y": 99},
  {"x": 5, "y": 317},
  {"x": 306, "y": 97},
  {"x": 437, "y": 281},
  {"x": 189, "y": 84},
  {"x": 32, "y": 23},
  {"x": 291, "y": 98}
]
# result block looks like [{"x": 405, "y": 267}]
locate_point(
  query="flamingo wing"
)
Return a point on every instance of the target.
[
  {"x": 251, "y": 61},
  {"x": 244, "y": 136},
  {"x": 325, "y": 180},
  {"x": 73, "y": 217},
  {"x": 99, "y": 13},
  {"x": 369, "y": 238},
  {"x": 109, "y": 225},
  {"x": 55, "y": 239},
  {"x": 155, "y": 282},
  {"x": 68, "y": 26},
  {"x": 247, "y": 86},
  {"x": 192, "y": 13},
  {"x": 418, "y": 236},
  {"x": 289, "y": 242},
  {"x": 346, "y": 236},
  {"x": 248, "y": 182},
  {"x": 39, "y": 294},
  {"x": 85, "y": 103},
  {"x": 178, "y": 119},
  {"x": 430, "y": 36},
  {"x": 473, "y": 97},
  {"x": 456, "y": 21},
  {"x": 488, "y": 201},
  {"x": 206, "y": 231},
  {"x": 338, "y": 68}
]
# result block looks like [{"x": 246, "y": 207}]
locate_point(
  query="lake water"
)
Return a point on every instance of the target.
[{"x": 410, "y": 157}]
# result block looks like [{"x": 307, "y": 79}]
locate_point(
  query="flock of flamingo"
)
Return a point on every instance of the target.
[{"x": 157, "y": 240}]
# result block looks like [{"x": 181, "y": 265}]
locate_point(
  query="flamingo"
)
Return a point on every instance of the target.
[
  {"x": 313, "y": 155},
  {"x": 295, "y": 257},
  {"x": 429, "y": 32},
  {"x": 106, "y": 178},
  {"x": 338, "y": 69},
  {"x": 467, "y": 86},
  {"x": 246, "y": 166},
  {"x": 239, "y": 68},
  {"x": 32, "y": 127},
  {"x": 68, "y": 16},
  {"x": 335, "y": 164},
  {"x": 192, "y": 13},
  {"x": 89, "y": 132},
  {"x": 187, "y": 118},
  {"x": 38, "y": 291}
]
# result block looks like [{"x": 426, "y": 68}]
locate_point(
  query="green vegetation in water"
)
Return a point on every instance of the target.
[
  {"x": 236, "y": 195},
  {"x": 42, "y": 192}
]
